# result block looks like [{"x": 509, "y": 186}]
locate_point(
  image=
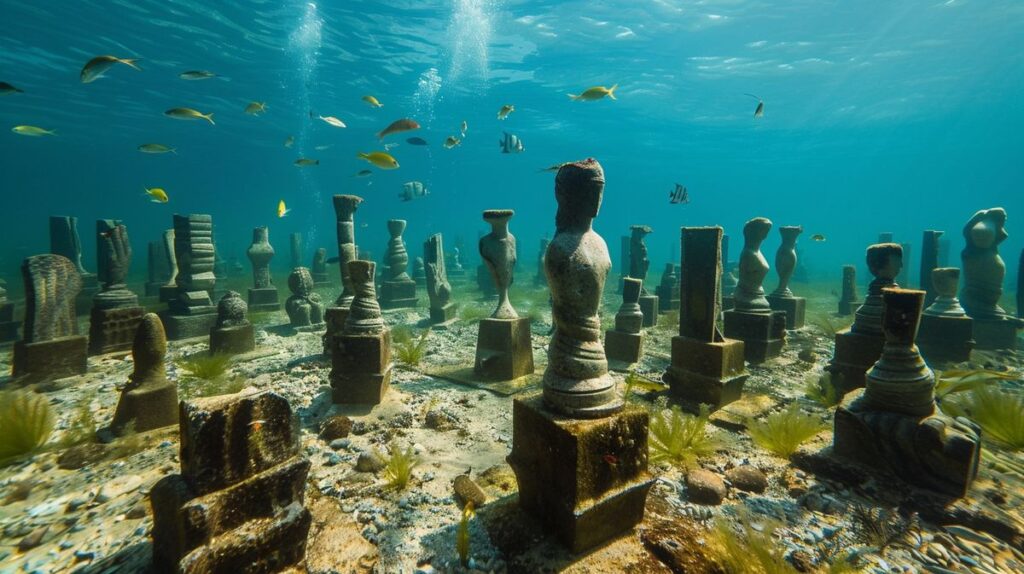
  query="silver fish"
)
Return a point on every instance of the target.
[
  {"x": 412, "y": 190},
  {"x": 511, "y": 143}
]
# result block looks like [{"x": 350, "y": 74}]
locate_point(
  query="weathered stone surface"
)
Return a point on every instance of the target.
[
  {"x": 399, "y": 289},
  {"x": 498, "y": 251},
  {"x": 984, "y": 271},
  {"x": 319, "y": 268},
  {"x": 624, "y": 344},
  {"x": 344, "y": 212},
  {"x": 747, "y": 478},
  {"x": 705, "y": 487},
  {"x": 51, "y": 347},
  {"x": 263, "y": 294},
  {"x": 639, "y": 264},
  {"x": 232, "y": 334},
  {"x": 439, "y": 290},
  {"x": 304, "y": 307},
  {"x": 668, "y": 290},
  {"x": 946, "y": 333},
  {"x": 929, "y": 261},
  {"x": 749, "y": 295},
  {"x": 169, "y": 290},
  {"x": 361, "y": 357},
  {"x": 191, "y": 312},
  {"x": 149, "y": 400},
  {"x": 752, "y": 320},
  {"x": 115, "y": 311},
  {"x": 848, "y": 295},
  {"x": 335, "y": 427},
  {"x": 503, "y": 349},
  {"x": 369, "y": 461}
]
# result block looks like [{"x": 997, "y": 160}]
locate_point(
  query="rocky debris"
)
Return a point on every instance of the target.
[
  {"x": 335, "y": 428},
  {"x": 81, "y": 455},
  {"x": 705, "y": 487},
  {"x": 440, "y": 419},
  {"x": 369, "y": 461},
  {"x": 747, "y": 478}
]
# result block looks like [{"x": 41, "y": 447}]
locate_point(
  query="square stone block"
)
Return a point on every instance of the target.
[
  {"x": 945, "y": 339},
  {"x": 232, "y": 340},
  {"x": 335, "y": 318},
  {"x": 855, "y": 354},
  {"x": 649, "y": 307},
  {"x": 586, "y": 480},
  {"x": 794, "y": 307},
  {"x": 998, "y": 334},
  {"x": 763, "y": 334},
  {"x": 361, "y": 370},
  {"x": 180, "y": 327},
  {"x": 443, "y": 314},
  {"x": 49, "y": 360},
  {"x": 8, "y": 326},
  {"x": 113, "y": 329},
  {"x": 263, "y": 300},
  {"x": 398, "y": 294},
  {"x": 503, "y": 349},
  {"x": 623, "y": 347},
  {"x": 707, "y": 373}
]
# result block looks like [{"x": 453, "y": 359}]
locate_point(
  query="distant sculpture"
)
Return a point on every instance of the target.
[
  {"x": 848, "y": 295},
  {"x": 624, "y": 259},
  {"x": 116, "y": 313},
  {"x": 783, "y": 299},
  {"x": 984, "y": 271},
  {"x": 191, "y": 313},
  {"x": 638, "y": 267},
  {"x": 8, "y": 326},
  {"x": 51, "y": 347},
  {"x": 319, "y": 269},
  {"x": 344, "y": 212},
  {"x": 419, "y": 272},
  {"x": 295, "y": 244},
  {"x": 149, "y": 400},
  {"x": 457, "y": 269},
  {"x": 169, "y": 290},
  {"x": 399, "y": 289},
  {"x": 439, "y": 290},
  {"x": 361, "y": 359},
  {"x": 729, "y": 280},
  {"x": 498, "y": 250},
  {"x": 749, "y": 294},
  {"x": 157, "y": 269},
  {"x": 263, "y": 295},
  {"x": 304, "y": 307},
  {"x": 233, "y": 334},
  {"x": 929, "y": 261},
  {"x": 540, "y": 279},
  {"x": 65, "y": 241},
  {"x": 946, "y": 333},
  {"x": 752, "y": 319},
  {"x": 624, "y": 344},
  {"x": 668, "y": 290}
]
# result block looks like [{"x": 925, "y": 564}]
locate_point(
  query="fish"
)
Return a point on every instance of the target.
[
  {"x": 451, "y": 142},
  {"x": 413, "y": 189},
  {"x": 759, "y": 110},
  {"x": 157, "y": 195},
  {"x": 94, "y": 68},
  {"x": 323, "y": 147},
  {"x": 363, "y": 173},
  {"x": 32, "y": 131},
  {"x": 257, "y": 426},
  {"x": 157, "y": 148},
  {"x": 679, "y": 195},
  {"x": 398, "y": 126},
  {"x": 818, "y": 237},
  {"x": 416, "y": 141},
  {"x": 380, "y": 159},
  {"x": 282, "y": 210},
  {"x": 7, "y": 89},
  {"x": 331, "y": 120},
  {"x": 595, "y": 93},
  {"x": 303, "y": 162},
  {"x": 511, "y": 144},
  {"x": 373, "y": 102},
  {"x": 189, "y": 114},
  {"x": 255, "y": 108},
  {"x": 197, "y": 75},
  {"x": 646, "y": 384},
  {"x": 289, "y": 141},
  {"x": 505, "y": 111},
  {"x": 465, "y": 127}
]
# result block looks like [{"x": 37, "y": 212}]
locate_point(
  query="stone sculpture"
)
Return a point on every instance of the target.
[
  {"x": 783, "y": 299},
  {"x": 237, "y": 505},
  {"x": 904, "y": 277},
  {"x": 848, "y": 295},
  {"x": 116, "y": 313},
  {"x": 638, "y": 267},
  {"x": 668, "y": 290},
  {"x": 752, "y": 320},
  {"x": 439, "y": 290},
  {"x": 419, "y": 272},
  {"x": 345, "y": 207},
  {"x": 319, "y": 269},
  {"x": 540, "y": 279},
  {"x": 8, "y": 326},
  {"x": 503, "y": 347},
  {"x": 149, "y": 400},
  {"x": 624, "y": 345},
  {"x": 561, "y": 440},
  {"x": 169, "y": 290},
  {"x": 191, "y": 313},
  {"x": 304, "y": 307},
  {"x": 263, "y": 295},
  {"x": 893, "y": 423},
  {"x": 157, "y": 269},
  {"x": 947, "y": 333},
  {"x": 51, "y": 347},
  {"x": 295, "y": 243},
  {"x": 398, "y": 290},
  {"x": 233, "y": 334},
  {"x": 984, "y": 271},
  {"x": 1020, "y": 286},
  {"x": 220, "y": 266},
  {"x": 361, "y": 359},
  {"x": 65, "y": 241},
  {"x": 729, "y": 280},
  {"x": 929, "y": 261}
]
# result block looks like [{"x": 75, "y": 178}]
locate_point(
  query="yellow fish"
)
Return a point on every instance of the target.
[
  {"x": 303, "y": 162},
  {"x": 157, "y": 195},
  {"x": 188, "y": 114},
  {"x": 379, "y": 159},
  {"x": 282, "y": 210},
  {"x": 818, "y": 237},
  {"x": 373, "y": 102},
  {"x": 94, "y": 68},
  {"x": 156, "y": 148},
  {"x": 32, "y": 131},
  {"x": 505, "y": 111},
  {"x": 333, "y": 121},
  {"x": 255, "y": 108},
  {"x": 594, "y": 94}
]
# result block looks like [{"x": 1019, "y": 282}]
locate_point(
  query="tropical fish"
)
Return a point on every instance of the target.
[
  {"x": 818, "y": 237},
  {"x": 451, "y": 142},
  {"x": 363, "y": 173},
  {"x": 373, "y": 102},
  {"x": 465, "y": 127},
  {"x": 32, "y": 131},
  {"x": 679, "y": 195},
  {"x": 282, "y": 210},
  {"x": 511, "y": 143},
  {"x": 595, "y": 93},
  {"x": 289, "y": 141},
  {"x": 303, "y": 162},
  {"x": 256, "y": 108},
  {"x": 157, "y": 195},
  {"x": 188, "y": 114},
  {"x": 412, "y": 190},
  {"x": 380, "y": 159},
  {"x": 156, "y": 148},
  {"x": 197, "y": 75},
  {"x": 7, "y": 89},
  {"x": 333, "y": 121},
  {"x": 94, "y": 68},
  {"x": 505, "y": 111},
  {"x": 416, "y": 141},
  {"x": 759, "y": 110},
  {"x": 398, "y": 126}
]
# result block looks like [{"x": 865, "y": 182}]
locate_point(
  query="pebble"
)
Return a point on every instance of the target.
[
  {"x": 747, "y": 478},
  {"x": 704, "y": 487},
  {"x": 33, "y": 539},
  {"x": 341, "y": 443},
  {"x": 369, "y": 462},
  {"x": 332, "y": 459}
]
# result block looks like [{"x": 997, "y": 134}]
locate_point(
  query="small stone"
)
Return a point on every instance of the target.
[
  {"x": 79, "y": 456},
  {"x": 369, "y": 461},
  {"x": 332, "y": 459},
  {"x": 402, "y": 420},
  {"x": 440, "y": 419},
  {"x": 747, "y": 478},
  {"x": 341, "y": 443},
  {"x": 705, "y": 487},
  {"x": 33, "y": 539},
  {"x": 468, "y": 491},
  {"x": 137, "y": 511},
  {"x": 806, "y": 355},
  {"x": 335, "y": 428}
]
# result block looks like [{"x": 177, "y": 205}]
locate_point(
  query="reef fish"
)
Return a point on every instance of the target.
[
  {"x": 256, "y": 108},
  {"x": 380, "y": 159},
  {"x": 412, "y": 190},
  {"x": 451, "y": 141},
  {"x": 156, "y": 148},
  {"x": 304, "y": 162},
  {"x": 511, "y": 143},
  {"x": 32, "y": 131},
  {"x": 398, "y": 126},
  {"x": 679, "y": 195},
  {"x": 759, "y": 110},
  {"x": 7, "y": 89},
  {"x": 157, "y": 195},
  {"x": 331, "y": 120},
  {"x": 818, "y": 237},
  {"x": 289, "y": 141},
  {"x": 372, "y": 101},
  {"x": 505, "y": 111},
  {"x": 197, "y": 75},
  {"x": 282, "y": 210},
  {"x": 188, "y": 114},
  {"x": 94, "y": 68},
  {"x": 363, "y": 173},
  {"x": 595, "y": 93},
  {"x": 416, "y": 141}
]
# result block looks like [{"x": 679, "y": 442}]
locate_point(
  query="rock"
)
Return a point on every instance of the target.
[
  {"x": 76, "y": 457},
  {"x": 335, "y": 428},
  {"x": 369, "y": 461},
  {"x": 335, "y": 544},
  {"x": 802, "y": 561},
  {"x": 33, "y": 539},
  {"x": 705, "y": 487},
  {"x": 440, "y": 419},
  {"x": 747, "y": 478},
  {"x": 468, "y": 491},
  {"x": 137, "y": 511},
  {"x": 806, "y": 355}
]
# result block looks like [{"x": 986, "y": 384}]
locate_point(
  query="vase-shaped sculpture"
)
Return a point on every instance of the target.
[
  {"x": 263, "y": 294},
  {"x": 361, "y": 359},
  {"x": 399, "y": 290},
  {"x": 498, "y": 250},
  {"x": 364, "y": 314},
  {"x": 624, "y": 344},
  {"x": 786, "y": 259},
  {"x": 639, "y": 265},
  {"x": 947, "y": 333},
  {"x": 749, "y": 294},
  {"x": 984, "y": 271},
  {"x": 752, "y": 319},
  {"x": 344, "y": 213}
]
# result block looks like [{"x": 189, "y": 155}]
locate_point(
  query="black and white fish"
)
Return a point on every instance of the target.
[
  {"x": 511, "y": 143},
  {"x": 413, "y": 189},
  {"x": 679, "y": 195}
]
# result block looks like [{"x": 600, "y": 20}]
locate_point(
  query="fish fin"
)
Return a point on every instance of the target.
[
  {"x": 130, "y": 62},
  {"x": 611, "y": 91},
  {"x": 363, "y": 155},
  {"x": 208, "y": 117},
  {"x": 573, "y": 97}
]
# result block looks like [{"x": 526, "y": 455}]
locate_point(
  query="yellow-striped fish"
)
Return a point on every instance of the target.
[
  {"x": 189, "y": 114},
  {"x": 380, "y": 159},
  {"x": 373, "y": 102},
  {"x": 94, "y": 68},
  {"x": 32, "y": 131},
  {"x": 255, "y": 108},
  {"x": 594, "y": 94},
  {"x": 282, "y": 210},
  {"x": 157, "y": 148},
  {"x": 157, "y": 195}
]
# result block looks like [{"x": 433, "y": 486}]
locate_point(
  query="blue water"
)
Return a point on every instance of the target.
[{"x": 879, "y": 116}]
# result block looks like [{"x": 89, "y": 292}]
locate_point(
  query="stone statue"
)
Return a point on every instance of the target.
[
  {"x": 576, "y": 382},
  {"x": 232, "y": 311},
  {"x": 149, "y": 400},
  {"x": 498, "y": 250},
  {"x": 191, "y": 313},
  {"x": 848, "y": 295},
  {"x": 749, "y": 294},
  {"x": 115, "y": 314},
  {"x": 157, "y": 270},
  {"x": 169, "y": 289},
  {"x": 51, "y": 347},
  {"x": 884, "y": 262},
  {"x": 233, "y": 333},
  {"x": 929, "y": 261},
  {"x": 344, "y": 211},
  {"x": 984, "y": 272},
  {"x": 361, "y": 360},
  {"x": 638, "y": 261},
  {"x": 364, "y": 315},
  {"x": 439, "y": 290},
  {"x": 263, "y": 294},
  {"x": 64, "y": 240},
  {"x": 752, "y": 319},
  {"x": 399, "y": 289},
  {"x": 295, "y": 242},
  {"x": 945, "y": 281},
  {"x": 785, "y": 258},
  {"x": 319, "y": 270},
  {"x": 304, "y": 307},
  {"x": 419, "y": 271},
  {"x": 668, "y": 290},
  {"x": 946, "y": 333},
  {"x": 457, "y": 261},
  {"x": 624, "y": 343}
]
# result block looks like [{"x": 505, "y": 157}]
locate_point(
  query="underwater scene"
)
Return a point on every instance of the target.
[{"x": 512, "y": 286}]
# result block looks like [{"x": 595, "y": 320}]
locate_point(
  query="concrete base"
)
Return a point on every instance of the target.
[
  {"x": 996, "y": 334},
  {"x": 763, "y": 335},
  {"x": 361, "y": 368},
  {"x": 232, "y": 340},
  {"x": 945, "y": 339},
  {"x": 113, "y": 329},
  {"x": 398, "y": 294},
  {"x": 50, "y": 360},
  {"x": 794, "y": 307},
  {"x": 854, "y": 355},
  {"x": 847, "y": 308},
  {"x": 503, "y": 349},
  {"x": 586, "y": 480},
  {"x": 706, "y": 373},
  {"x": 443, "y": 314},
  {"x": 180, "y": 327},
  {"x": 335, "y": 318},
  {"x": 263, "y": 300},
  {"x": 649, "y": 307},
  {"x": 623, "y": 347}
]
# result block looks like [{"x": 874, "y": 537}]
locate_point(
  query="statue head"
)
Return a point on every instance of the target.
[
  {"x": 986, "y": 229},
  {"x": 756, "y": 230},
  {"x": 579, "y": 189}
]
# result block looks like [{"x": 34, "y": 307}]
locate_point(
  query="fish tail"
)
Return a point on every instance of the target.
[
  {"x": 208, "y": 117},
  {"x": 130, "y": 62},
  {"x": 611, "y": 91},
  {"x": 363, "y": 155},
  {"x": 573, "y": 97}
]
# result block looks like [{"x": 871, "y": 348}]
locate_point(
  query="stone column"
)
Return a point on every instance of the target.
[
  {"x": 344, "y": 212},
  {"x": 984, "y": 271},
  {"x": 419, "y": 272},
  {"x": 848, "y": 296},
  {"x": 1020, "y": 286},
  {"x": 157, "y": 269},
  {"x": 439, "y": 290},
  {"x": 503, "y": 348},
  {"x": 947, "y": 333},
  {"x": 65, "y": 241},
  {"x": 398, "y": 290},
  {"x": 638, "y": 267},
  {"x": 540, "y": 279},
  {"x": 263, "y": 294},
  {"x": 319, "y": 270},
  {"x": 624, "y": 345},
  {"x": 893, "y": 423},
  {"x": 885, "y": 237},
  {"x": 149, "y": 400},
  {"x": 361, "y": 359},
  {"x": 8, "y": 326},
  {"x": 169, "y": 290},
  {"x": 233, "y": 334},
  {"x": 116, "y": 313},
  {"x": 786, "y": 260},
  {"x": 304, "y": 307},
  {"x": 295, "y": 243},
  {"x": 929, "y": 261},
  {"x": 191, "y": 313},
  {"x": 668, "y": 290},
  {"x": 904, "y": 277},
  {"x": 563, "y": 439},
  {"x": 752, "y": 320}
]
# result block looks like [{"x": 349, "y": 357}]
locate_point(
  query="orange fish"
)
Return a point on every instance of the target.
[{"x": 398, "y": 126}]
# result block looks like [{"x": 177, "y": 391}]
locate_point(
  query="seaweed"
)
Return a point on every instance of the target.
[
  {"x": 401, "y": 334},
  {"x": 680, "y": 438},
  {"x": 399, "y": 467},
  {"x": 821, "y": 390},
  {"x": 783, "y": 432},
  {"x": 471, "y": 313},
  {"x": 958, "y": 381},
  {"x": 128, "y": 443},
  {"x": 1000, "y": 414},
  {"x": 411, "y": 352},
  {"x": 462, "y": 534},
  {"x": 669, "y": 319},
  {"x": 205, "y": 376},
  {"x": 881, "y": 529},
  {"x": 26, "y": 422},
  {"x": 205, "y": 366},
  {"x": 829, "y": 323},
  {"x": 750, "y": 551}
]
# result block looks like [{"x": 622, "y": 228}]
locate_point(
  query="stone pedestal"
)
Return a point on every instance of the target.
[
  {"x": 112, "y": 330},
  {"x": 649, "y": 307},
  {"x": 794, "y": 307},
  {"x": 668, "y": 290},
  {"x": 625, "y": 343},
  {"x": 503, "y": 349},
  {"x": 443, "y": 314},
  {"x": 334, "y": 317},
  {"x": 8, "y": 326},
  {"x": 710, "y": 373},
  {"x": 997, "y": 333},
  {"x": 264, "y": 300},
  {"x": 586, "y": 480},
  {"x": 49, "y": 360},
  {"x": 763, "y": 334},
  {"x": 180, "y": 327},
  {"x": 232, "y": 340},
  {"x": 361, "y": 372},
  {"x": 946, "y": 339},
  {"x": 622, "y": 347},
  {"x": 854, "y": 355},
  {"x": 398, "y": 294}
]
